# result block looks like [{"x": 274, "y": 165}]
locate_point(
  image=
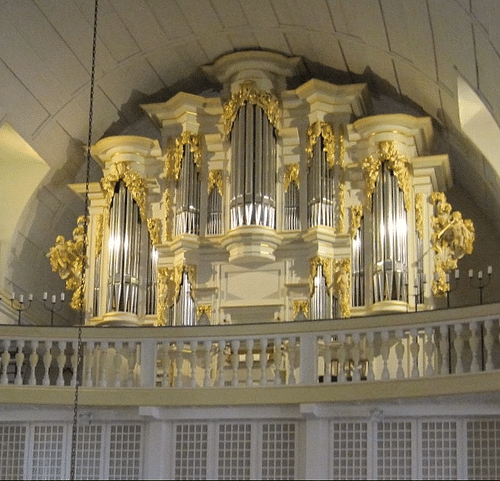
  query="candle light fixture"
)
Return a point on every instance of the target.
[
  {"x": 20, "y": 305},
  {"x": 52, "y": 306},
  {"x": 481, "y": 281}
]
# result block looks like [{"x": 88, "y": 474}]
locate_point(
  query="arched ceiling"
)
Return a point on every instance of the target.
[{"x": 149, "y": 49}]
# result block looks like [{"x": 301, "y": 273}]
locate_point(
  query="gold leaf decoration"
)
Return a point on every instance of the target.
[
  {"x": 342, "y": 283},
  {"x": 203, "y": 309},
  {"x": 191, "y": 273},
  {"x": 165, "y": 293},
  {"x": 342, "y": 188},
  {"x": 133, "y": 181},
  {"x": 247, "y": 93},
  {"x": 176, "y": 153},
  {"x": 326, "y": 264},
  {"x": 291, "y": 175},
  {"x": 67, "y": 258},
  {"x": 99, "y": 234},
  {"x": 419, "y": 214},
  {"x": 453, "y": 237},
  {"x": 168, "y": 215},
  {"x": 326, "y": 131},
  {"x": 300, "y": 305},
  {"x": 397, "y": 162},
  {"x": 215, "y": 181},
  {"x": 154, "y": 230},
  {"x": 356, "y": 216}
]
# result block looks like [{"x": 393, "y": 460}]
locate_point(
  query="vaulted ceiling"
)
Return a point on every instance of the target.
[{"x": 414, "y": 51}]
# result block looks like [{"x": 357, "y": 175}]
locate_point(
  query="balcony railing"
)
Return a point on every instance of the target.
[{"x": 372, "y": 351}]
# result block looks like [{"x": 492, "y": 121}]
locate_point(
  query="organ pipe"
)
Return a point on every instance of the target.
[
  {"x": 214, "y": 213},
  {"x": 253, "y": 178},
  {"x": 187, "y": 218},
  {"x": 390, "y": 242},
  {"x": 358, "y": 269},
  {"x": 320, "y": 298},
  {"x": 124, "y": 252}
]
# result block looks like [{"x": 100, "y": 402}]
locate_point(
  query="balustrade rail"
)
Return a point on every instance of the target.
[{"x": 382, "y": 348}]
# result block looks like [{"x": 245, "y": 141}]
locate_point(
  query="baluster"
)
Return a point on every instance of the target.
[
  {"x": 117, "y": 364},
  {"x": 327, "y": 358},
  {"x": 249, "y": 361},
  {"x": 400, "y": 351},
  {"x": 355, "y": 353},
  {"x": 370, "y": 375},
  {"x": 134, "y": 363},
  {"x": 103, "y": 361},
  {"x": 19, "y": 362},
  {"x": 384, "y": 350},
  {"x": 292, "y": 347},
  {"x": 488, "y": 344},
  {"x": 341, "y": 354},
  {"x": 5, "y": 361},
  {"x": 179, "y": 345},
  {"x": 165, "y": 363},
  {"x": 459, "y": 345},
  {"x": 47, "y": 361},
  {"x": 193, "y": 345},
  {"x": 429, "y": 351},
  {"x": 127, "y": 365},
  {"x": 221, "y": 361},
  {"x": 474, "y": 342},
  {"x": 277, "y": 361},
  {"x": 263, "y": 361},
  {"x": 74, "y": 363},
  {"x": 61, "y": 361},
  {"x": 33, "y": 362},
  {"x": 207, "y": 349},
  {"x": 90, "y": 357},
  {"x": 444, "y": 348},
  {"x": 235, "y": 361},
  {"x": 414, "y": 350}
]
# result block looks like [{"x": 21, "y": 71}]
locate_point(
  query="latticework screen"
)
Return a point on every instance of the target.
[
  {"x": 89, "y": 452},
  {"x": 483, "y": 449},
  {"x": 234, "y": 451},
  {"x": 48, "y": 452},
  {"x": 394, "y": 450},
  {"x": 279, "y": 450},
  {"x": 350, "y": 450},
  {"x": 12, "y": 451},
  {"x": 439, "y": 450},
  {"x": 125, "y": 451},
  {"x": 191, "y": 450}
]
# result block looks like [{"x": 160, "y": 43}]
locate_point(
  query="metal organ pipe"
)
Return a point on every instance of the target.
[
  {"x": 124, "y": 252},
  {"x": 253, "y": 176},
  {"x": 390, "y": 242}
]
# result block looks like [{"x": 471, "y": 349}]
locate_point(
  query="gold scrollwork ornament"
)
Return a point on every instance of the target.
[
  {"x": 291, "y": 176},
  {"x": 453, "y": 237},
  {"x": 300, "y": 306},
  {"x": 326, "y": 131},
  {"x": 342, "y": 283},
  {"x": 326, "y": 265},
  {"x": 247, "y": 93},
  {"x": 176, "y": 153},
  {"x": 165, "y": 293},
  {"x": 215, "y": 181},
  {"x": 67, "y": 258},
  {"x": 356, "y": 216}
]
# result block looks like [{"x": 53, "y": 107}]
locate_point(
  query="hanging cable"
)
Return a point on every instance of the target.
[{"x": 79, "y": 362}]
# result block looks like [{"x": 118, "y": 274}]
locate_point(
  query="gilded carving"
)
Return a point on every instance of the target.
[
  {"x": 167, "y": 232},
  {"x": 342, "y": 285},
  {"x": 67, "y": 257},
  {"x": 326, "y": 131},
  {"x": 203, "y": 309},
  {"x": 419, "y": 214},
  {"x": 453, "y": 237},
  {"x": 341, "y": 190},
  {"x": 356, "y": 216},
  {"x": 300, "y": 306},
  {"x": 247, "y": 93},
  {"x": 326, "y": 264},
  {"x": 397, "y": 162},
  {"x": 99, "y": 234},
  {"x": 215, "y": 181},
  {"x": 191, "y": 273},
  {"x": 133, "y": 181},
  {"x": 165, "y": 292},
  {"x": 154, "y": 230},
  {"x": 291, "y": 175},
  {"x": 176, "y": 153}
]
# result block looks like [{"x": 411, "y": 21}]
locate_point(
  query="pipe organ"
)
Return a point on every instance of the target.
[{"x": 243, "y": 212}]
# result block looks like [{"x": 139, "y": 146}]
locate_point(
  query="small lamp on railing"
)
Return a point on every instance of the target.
[
  {"x": 481, "y": 283},
  {"x": 19, "y": 305},
  {"x": 52, "y": 307},
  {"x": 453, "y": 285}
]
